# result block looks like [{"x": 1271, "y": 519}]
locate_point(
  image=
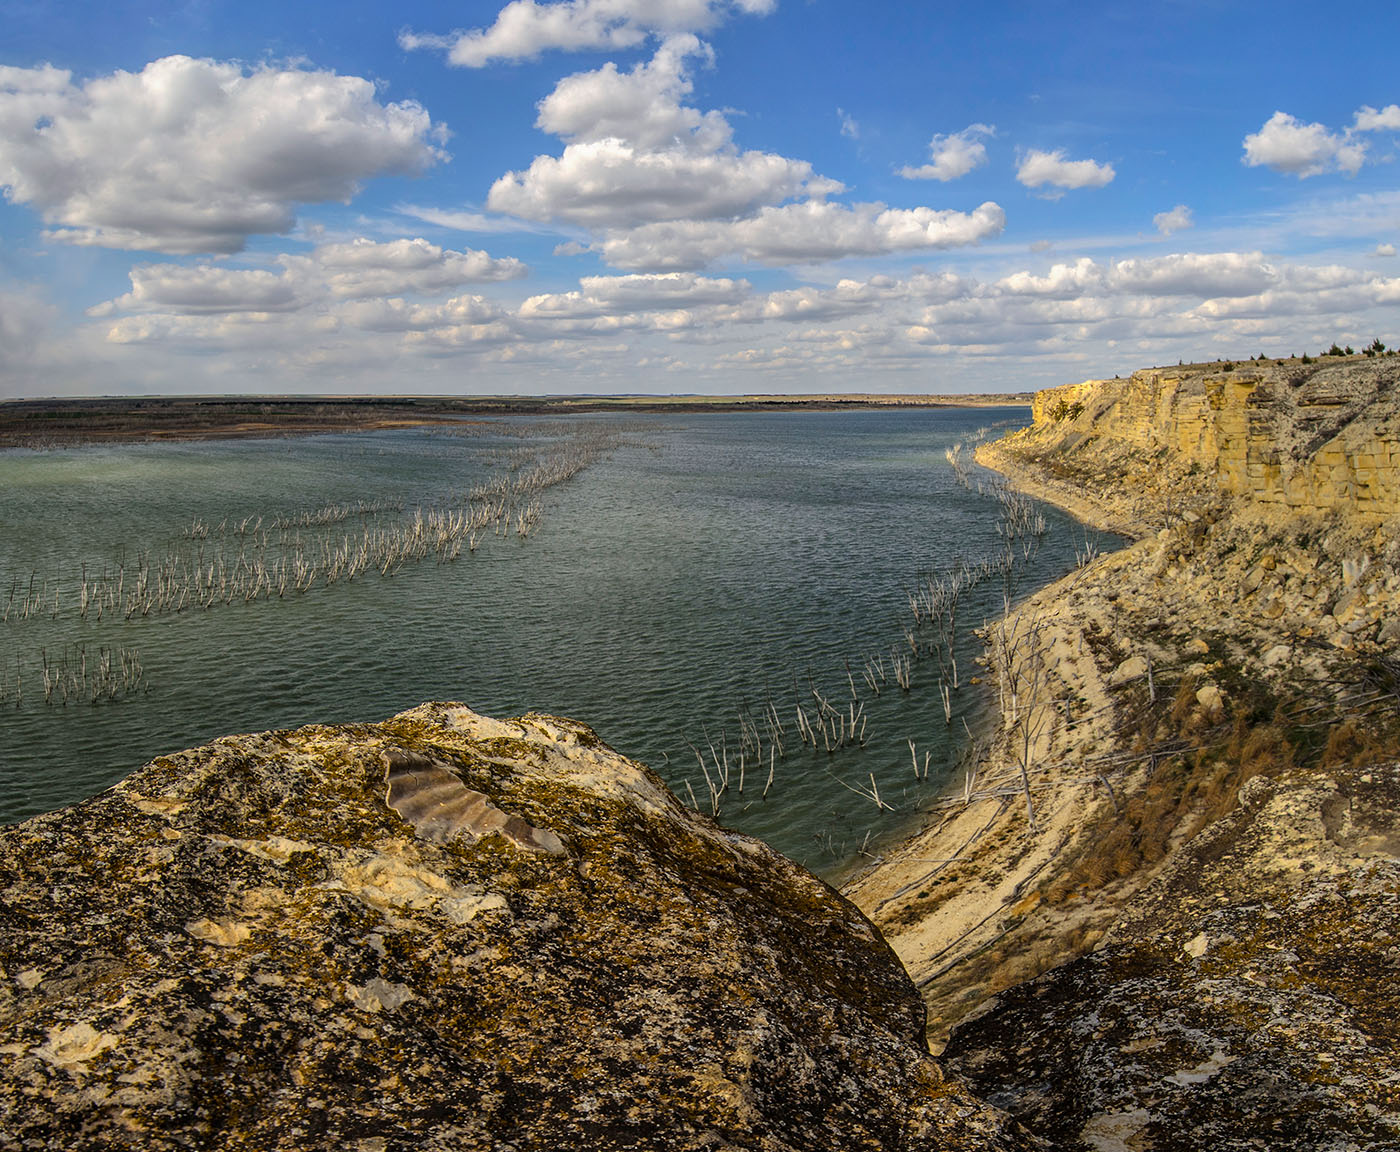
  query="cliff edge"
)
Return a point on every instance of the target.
[
  {"x": 443, "y": 932},
  {"x": 1163, "y": 909}
]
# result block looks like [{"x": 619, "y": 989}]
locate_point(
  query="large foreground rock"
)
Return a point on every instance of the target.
[{"x": 438, "y": 932}]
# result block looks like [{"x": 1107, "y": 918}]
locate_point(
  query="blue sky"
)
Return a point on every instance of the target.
[{"x": 671, "y": 196}]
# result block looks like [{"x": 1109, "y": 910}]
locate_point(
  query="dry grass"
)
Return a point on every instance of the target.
[{"x": 1187, "y": 792}]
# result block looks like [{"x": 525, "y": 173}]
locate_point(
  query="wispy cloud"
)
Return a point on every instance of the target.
[
  {"x": 953, "y": 155},
  {"x": 466, "y": 221},
  {"x": 1175, "y": 220}
]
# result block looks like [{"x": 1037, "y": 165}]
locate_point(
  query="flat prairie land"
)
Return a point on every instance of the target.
[{"x": 59, "y": 422}]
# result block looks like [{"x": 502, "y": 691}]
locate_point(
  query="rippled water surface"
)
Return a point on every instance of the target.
[{"x": 709, "y": 566}]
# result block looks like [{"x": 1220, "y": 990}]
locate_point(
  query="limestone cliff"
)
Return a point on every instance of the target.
[
  {"x": 443, "y": 932},
  {"x": 1311, "y": 438},
  {"x": 1163, "y": 912},
  {"x": 1297, "y": 464}
]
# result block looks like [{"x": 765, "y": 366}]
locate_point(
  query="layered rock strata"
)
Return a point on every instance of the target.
[
  {"x": 1318, "y": 437},
  {"x": 443, "y": 932},
  {"x": 1192, "y": 797}
]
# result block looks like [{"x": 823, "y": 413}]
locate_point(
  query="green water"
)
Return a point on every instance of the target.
[{"x": 706, "y": 567}]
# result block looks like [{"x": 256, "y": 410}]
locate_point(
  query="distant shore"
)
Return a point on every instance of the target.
[{"x": 64, "y": 422}]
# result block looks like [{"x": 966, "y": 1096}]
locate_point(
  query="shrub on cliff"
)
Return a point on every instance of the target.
[{"x": 1065, "y": 411}]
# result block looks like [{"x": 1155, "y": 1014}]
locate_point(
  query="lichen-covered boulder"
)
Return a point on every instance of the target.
[
  {"x": 443, "y": 932},
  {"x": 1249, "y": 998}
]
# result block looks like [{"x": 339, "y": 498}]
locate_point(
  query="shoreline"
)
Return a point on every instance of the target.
[
  {"x": 958, "y": 886},
  {"x": 1221, "y": 643},
  {"x": 60, "y": 422},
  {"x": 1159, "y": 913}
]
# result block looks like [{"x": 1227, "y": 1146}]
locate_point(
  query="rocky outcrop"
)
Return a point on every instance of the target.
[
  {"x": 443, "y": 932},
  {"x": 1317, "y": 437},
  {"x": 1248, "y": 997},
  {"x": 1162, "y": 913},
  {"x": 1275, "y": 485}
]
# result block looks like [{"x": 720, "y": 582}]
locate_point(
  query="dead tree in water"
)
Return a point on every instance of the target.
[{"x": 1018, "y": 656}]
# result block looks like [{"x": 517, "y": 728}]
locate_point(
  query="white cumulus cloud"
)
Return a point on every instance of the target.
[
  {"x": 359, "y": 270},
  {"x": 807, "y": 232},
  {"x": 523, "y": 28},
  {"x": 613, "y": 332},
  {"x": 398, "y": 315},
  {"x": 849, "y": 297},
  {"x": 1063, "y": 280},
  {"x": 1196, "y": 274},
  {"x": 635, "y": 154},
  {"x": 1368, "y": 119},
  {"x": 1286, "y": 144},
  {"x": 364, "y": 267},
  {"x": 642, "y": 106},
  {"x": 1175, "y": 220},
  {"x": 663, "y": 186},
  {"x": 204, "y": 289},
  {"x": 664, "y": 290},
  {"x": 1040, "y": 168},
  {"x": 1385, "y": 249},
  {"x": 612, "y": 183},
  {"x": 196, "y": 155},
  {"x": 953, "y": 155},
  {"x": 610, "y": 295}
]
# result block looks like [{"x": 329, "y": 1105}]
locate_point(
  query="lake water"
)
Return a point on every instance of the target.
[{"x": 704, "y": 573}]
